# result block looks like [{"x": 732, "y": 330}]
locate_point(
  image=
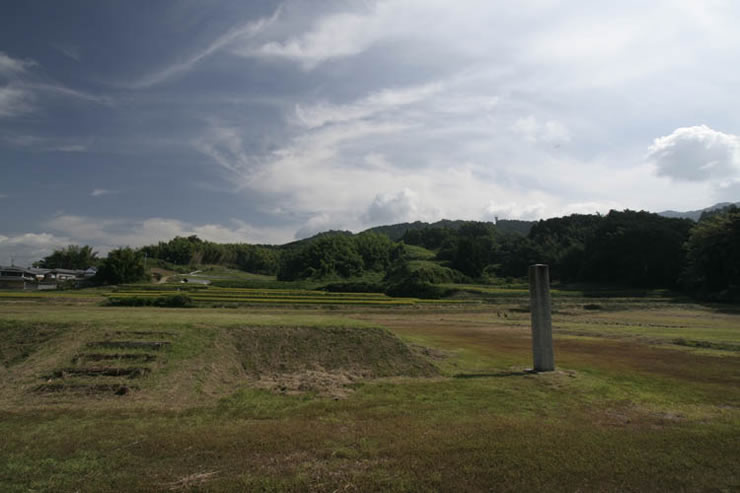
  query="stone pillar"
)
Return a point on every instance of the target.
[{"x": 539, "y": 294}]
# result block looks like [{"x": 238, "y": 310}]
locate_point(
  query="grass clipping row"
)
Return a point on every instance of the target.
[{"x": 324, "y": 360}]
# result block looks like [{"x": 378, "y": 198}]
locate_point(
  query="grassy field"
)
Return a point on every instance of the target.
[{"x": 418, "y": 397}]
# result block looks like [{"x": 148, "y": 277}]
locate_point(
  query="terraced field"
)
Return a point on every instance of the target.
[
  {"x": 109, "y": 365},
  {"x": 215, "y": 295}
]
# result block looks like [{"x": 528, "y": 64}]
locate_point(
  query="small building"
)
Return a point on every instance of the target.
[
  {"x": 62, "y": 275},
  {"x": 17, "y": 278},
  {"x": 22, "y": 278}
]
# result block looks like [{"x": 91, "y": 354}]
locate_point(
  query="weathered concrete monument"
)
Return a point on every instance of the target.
[{"x": 539, "y": 295}]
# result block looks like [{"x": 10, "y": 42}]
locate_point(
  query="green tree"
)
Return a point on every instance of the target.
[
  {"x": 326, "y": 256},
  {"x": 375, "y": 250},
  {"x": 713, "y": 254},
  {"x": 122, "y": 265},
  {"x": 639, "y": 249},
  {"x": 515, "y": 254},
  {"x": 71, "y": 257},
  {"x": 471, "y": 248},
  {"x": 561, "y": 243}
]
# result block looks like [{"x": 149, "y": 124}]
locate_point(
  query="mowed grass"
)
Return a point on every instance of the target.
[{"x": 627, "y": 409}]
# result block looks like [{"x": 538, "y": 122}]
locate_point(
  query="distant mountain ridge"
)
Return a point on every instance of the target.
[
  {"x": 695, "y": 215},
  {"x": 396, "y": 231}
]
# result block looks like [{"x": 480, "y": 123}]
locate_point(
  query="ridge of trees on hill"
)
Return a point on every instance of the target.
[
  {"x": 627, "y": 248},
  {"x": 397, "y": 231}
]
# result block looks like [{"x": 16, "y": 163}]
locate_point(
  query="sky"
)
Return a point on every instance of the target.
[{"x": 131, "y": 122}]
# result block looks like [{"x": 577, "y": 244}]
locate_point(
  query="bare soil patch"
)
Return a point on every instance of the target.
[
  {"x": 87, "y": 389},
  {"x": 138, "y": 357},
  {"x": 325, "y": 360},
  {"x": 150, "y": 345},
  {"x": 131, "y": 372}
]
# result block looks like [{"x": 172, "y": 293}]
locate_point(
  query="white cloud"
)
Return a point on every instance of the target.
[
  {"x": 319, "y": 224},
  {"x": 334, "y": 174},
  {"x": 224, "y": 145},
  {"x": 44, "y": 143},
  {"x": 591, "y": 208},
  {"x": 393, "y": 208},
  {"x": 70, "y": 148},
  {"x": 241, "y": 33},
  {"x": 108, "y": 233},
  {"x": 320, "y": 114},
  {"x": 14, "y": 101},
  {"x": 60, "y": 90},
  {"x": 514, "y": 210},
  {"x": 453, "y": 95},
  {"x": 696, "y": 153},
  {"x": 99, "y": 192},
  {"x": 551, "y": 131},
  {"x": 334, "y": 36},
  {"x": 24, "y": 88},
  {"x": 13, "y": 66},
  {"x": 68, "y": 50},
  {"x": 24, "y": 249},
  {"x": 341, "y": 35}
]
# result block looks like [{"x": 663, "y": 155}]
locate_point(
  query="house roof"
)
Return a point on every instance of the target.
[
  {"x": 13, "y": 268},
  {"x": 68, "y": 271}
]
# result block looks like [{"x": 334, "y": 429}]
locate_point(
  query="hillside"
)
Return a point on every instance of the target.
[
  {"x": 396, "y": 231},
  {"x": 695, "y": 215}
]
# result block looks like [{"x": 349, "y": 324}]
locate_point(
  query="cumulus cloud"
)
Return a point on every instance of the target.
[
  {"x": 452, "y": 97},
  {"x": 24, "y": 249},
  {"x": 393, "y": 208},
  {"x": 697, "y": 153},
  {"x": 514, "y": 210}
]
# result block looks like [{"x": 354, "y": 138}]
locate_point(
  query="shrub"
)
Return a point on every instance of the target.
[
  {"x": 425, "y": 272},
  {"x": 170, "y": 301},
  {"x": 355, "y": 287},
  {"x": 417, "y": 289}
]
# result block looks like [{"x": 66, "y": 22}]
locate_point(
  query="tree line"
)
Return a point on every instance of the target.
[{"x": 628, "y": 248}]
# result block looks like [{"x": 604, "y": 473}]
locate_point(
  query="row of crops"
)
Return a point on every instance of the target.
[{"x": 215, "y": 295}]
